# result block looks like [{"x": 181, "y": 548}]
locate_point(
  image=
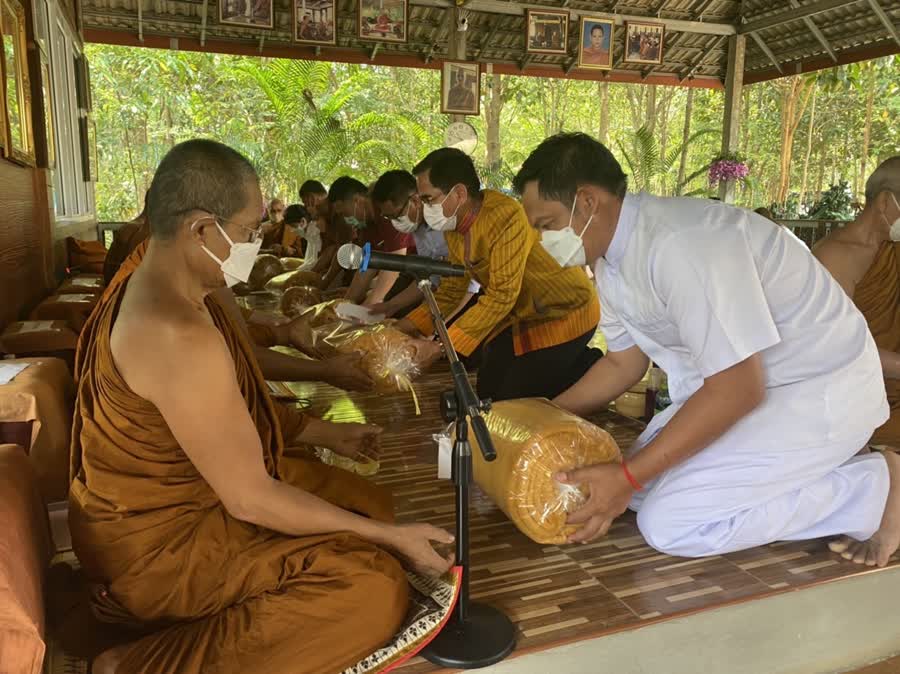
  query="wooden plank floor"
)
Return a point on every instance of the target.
[{"x": 559, "y": 594}]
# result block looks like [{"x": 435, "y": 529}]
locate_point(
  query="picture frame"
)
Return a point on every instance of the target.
[
  {"x": 314, "y": 22},
  {"x": 247, "y": 13},
  {"x": 596, "y": 41},
  {"x": 461, "y": 88},
  {"x": 383, "y": 20},
  {"x": 17, "y": 120},
  {"x": 644, "y": 42},
  {"x": 84, "y": 142},
  {"x": 546, "y": 31}
]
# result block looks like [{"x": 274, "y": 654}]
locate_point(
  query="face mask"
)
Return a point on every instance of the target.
[
  {"x": 404, "y": 223},
  {"x": 566, "y": 247},
  {"x": 353, "y": 221},
  {"x": 434, "y": 216},
  {"x": 239, "y": 263},
  {"x": 895, "y": 226}
]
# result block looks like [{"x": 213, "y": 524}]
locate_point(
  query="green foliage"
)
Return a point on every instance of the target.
[
  {"x": 308, "y": 119},
  {"x": 834, "y": 204}
]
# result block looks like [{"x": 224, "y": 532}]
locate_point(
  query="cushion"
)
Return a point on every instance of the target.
[
  {"x": 73, "y": 308},
  {"x": 25, "y": 551},
  {"x": 33, "y": 337},
  {"x": 85, "y": 256},
  {"x": 43, "y": 394}
]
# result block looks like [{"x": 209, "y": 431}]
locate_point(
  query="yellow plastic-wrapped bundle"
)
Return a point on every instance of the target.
[
  {"x": 294, "y": 278},
  {"x": 265, "y": 268},
  {"x": 389, "y": 356},
  {"x": 291, "y": 263},
  {"x": 298, "y": 299},
  {"x": 535, "y": 440}
]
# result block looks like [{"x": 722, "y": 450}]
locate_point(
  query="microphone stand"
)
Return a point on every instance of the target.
[{"x": 476, "y": 635}]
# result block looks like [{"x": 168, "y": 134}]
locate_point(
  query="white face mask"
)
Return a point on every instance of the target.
[
  {"x": 566, "y": 247},
  {"x": 434, "y": 216},
  {"x": 404, "y": 223},
  {"x": 239, "y": 263},
  {"x": 895, "y": 225}
]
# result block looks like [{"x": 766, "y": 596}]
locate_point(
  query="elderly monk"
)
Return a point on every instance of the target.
[
  {"x": 222, "y": 554},
  {"x": 864, "y": 257}
]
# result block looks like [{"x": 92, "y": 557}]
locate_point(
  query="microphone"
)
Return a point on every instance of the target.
[{"x": 351, "y": 256}]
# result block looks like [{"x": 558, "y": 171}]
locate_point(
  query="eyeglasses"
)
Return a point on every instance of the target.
[{"x": 254, "y": 234}]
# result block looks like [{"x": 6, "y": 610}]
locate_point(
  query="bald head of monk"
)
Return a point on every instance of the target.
[
  {"x": 205, "y": 207},
  {"x": 883, "y": 198}
]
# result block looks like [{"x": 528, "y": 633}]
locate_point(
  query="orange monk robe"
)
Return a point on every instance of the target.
[
  {"x": 209, "y": 592},
  {"x": 878, "y": 297}
]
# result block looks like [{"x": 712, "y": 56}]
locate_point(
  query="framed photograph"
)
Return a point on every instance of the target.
[
  {"x": 16, "y": 121},
  {"x": 547, "y": 31},
  {"x": 596, "y": 46},
  {"x": 251, "y": 13},
  {"x": 644, "y": 42},
  {"x": 460, "y": 88},
  {"x": 83, "y": 83},
  {"x": 314, "y": 22},
  {"x": 383, "y": 20}
]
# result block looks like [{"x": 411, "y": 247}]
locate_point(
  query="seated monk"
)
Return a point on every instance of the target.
[
  {"x": 342, "y": 372},
  {"x": 864, "y": 257},
  {"x": 125, "y": 240},
  {"x": 220, "y": 553}
]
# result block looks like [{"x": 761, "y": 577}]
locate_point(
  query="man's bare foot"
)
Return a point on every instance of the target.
[
  {"x": 877, "y": 550},
  {"x": 108, "y": 661}
]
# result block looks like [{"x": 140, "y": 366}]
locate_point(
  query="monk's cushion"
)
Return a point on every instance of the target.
[
  {"x": 25, "y": 550},
  {"x": 33, "y": 337},
  {"x": 85, "y": 256}
]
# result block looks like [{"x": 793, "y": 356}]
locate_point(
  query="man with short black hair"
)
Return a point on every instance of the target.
[
  {"x": 534, "y": 317},
  {"x": 349, "y": 199},
  {"x": 312, "y": 193},
  {"x": 774, "y": 377},
  {"x": 193, "y": 526}
]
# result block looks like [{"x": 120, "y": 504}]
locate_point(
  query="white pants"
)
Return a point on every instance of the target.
[{"x": 738, "y": 494}]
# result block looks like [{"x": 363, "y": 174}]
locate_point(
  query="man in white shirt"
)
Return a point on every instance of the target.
[{"x": 774, "y": 376}]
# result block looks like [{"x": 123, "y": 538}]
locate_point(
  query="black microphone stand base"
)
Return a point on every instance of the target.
[{"x": 486, "y": 637}]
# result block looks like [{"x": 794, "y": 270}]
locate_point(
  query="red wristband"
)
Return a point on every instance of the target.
[{"x": 637, "y": 486}]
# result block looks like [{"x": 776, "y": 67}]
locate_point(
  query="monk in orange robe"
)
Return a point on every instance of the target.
[
  {"x": 197, "y": 531},
  {"x": 864, "y": 257}
]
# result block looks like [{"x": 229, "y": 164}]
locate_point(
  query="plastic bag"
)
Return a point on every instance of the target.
[
  {"x": 366, "y": 467},
  {"x": 535, "y": 440},
  {"x": 265, "y": 268},
  {"x": 294, "y": 278},
  {"x": 298, "y": 299},
  {"x": 389, "y": 356}
]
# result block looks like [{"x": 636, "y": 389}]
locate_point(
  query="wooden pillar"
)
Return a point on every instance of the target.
[
  {"x": 457, "y": 49},
  {"x": 734, "y": 85}
]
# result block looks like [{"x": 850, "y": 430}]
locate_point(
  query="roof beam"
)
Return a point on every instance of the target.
[
  {"x": 794, "y": 14},
  {"x": 885, "y": 19},
  {"x": 814, "y": 29},
  {"x": 140, "y": 20},
  {"x": 767, "y": 51},
  {"x": 203, "y": 13},
  {"x": 702, "y": 8},
  {"x": 699, "y": 62},
  {"x": 519, "y": 9}
]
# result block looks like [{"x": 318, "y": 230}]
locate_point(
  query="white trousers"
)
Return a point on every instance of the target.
[{"x": 738, "y": 494}]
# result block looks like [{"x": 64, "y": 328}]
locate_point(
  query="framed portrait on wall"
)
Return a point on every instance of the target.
[
  {"x": 383, "y": 20},
  {"x": 644, "y": 42},
  {"x": 83, "y": 83},
  {"x": 250, "y": 13},
  {"x": 595, "y": 48},
  {"x": 547, "y": 31},
  {"x": 460, "y": 88},
  {"x": 19, "y": 143},
  {"x": 314, "y": 22}
]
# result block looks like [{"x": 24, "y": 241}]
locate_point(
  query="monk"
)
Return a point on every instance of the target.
[
  {"x": 221, "y": 553},
  {"x": 125, "y": 240},
  {"x": 864, "y": 257}
]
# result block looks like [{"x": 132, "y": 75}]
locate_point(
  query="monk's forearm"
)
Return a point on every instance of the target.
[
  {"x": 382, "y": 286},
  {"x": 719, "y": 404},
  {"x": 890, "y": 363},
  {"x": 291, "y": 511},
  {"x": 277, "y": 366}
]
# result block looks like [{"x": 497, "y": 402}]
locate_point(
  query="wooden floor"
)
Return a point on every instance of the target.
[{"x": 570, "y": 593}]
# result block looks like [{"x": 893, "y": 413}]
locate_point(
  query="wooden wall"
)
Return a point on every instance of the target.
[{"x": 24, "y": 241}]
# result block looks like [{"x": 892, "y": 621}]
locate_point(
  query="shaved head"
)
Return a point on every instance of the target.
[
  {"x": 198, "y": 175},
  {"x": 886, "y": 178}
]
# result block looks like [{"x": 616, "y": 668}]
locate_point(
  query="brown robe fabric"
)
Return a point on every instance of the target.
[
  {"x": 212, "y": 594},
  {"x": 878, "y": 298}
]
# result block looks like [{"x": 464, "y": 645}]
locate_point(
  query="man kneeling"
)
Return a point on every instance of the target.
[{"x": 180, "y": 509}]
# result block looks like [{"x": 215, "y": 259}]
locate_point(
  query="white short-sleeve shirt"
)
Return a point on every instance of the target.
[{"x": 700, "y": 286}]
